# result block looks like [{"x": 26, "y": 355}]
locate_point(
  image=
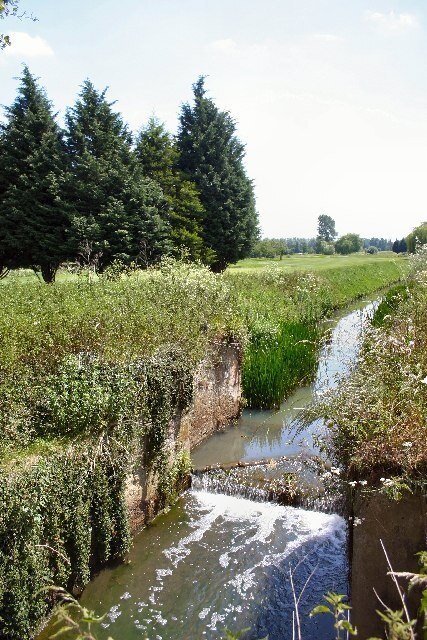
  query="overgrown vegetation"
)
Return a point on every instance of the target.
[
  {"x": 92, "y": 374},
  {"x": 93, "y": 371},
  {"x": 376, "y": 418},
  {"x": 282, "y": 312}
]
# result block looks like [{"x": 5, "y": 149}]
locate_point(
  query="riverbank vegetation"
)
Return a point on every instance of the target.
[
  {"x": 377, "y": 417},
  {"x": 94, "y": 369},
  {"x": 282, "y": 312}
]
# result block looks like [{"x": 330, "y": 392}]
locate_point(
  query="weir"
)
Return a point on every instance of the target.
[{"x": 247, "y": 540}]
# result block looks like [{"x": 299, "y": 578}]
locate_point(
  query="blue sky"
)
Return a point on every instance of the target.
[{"x": 330, "y": 96}]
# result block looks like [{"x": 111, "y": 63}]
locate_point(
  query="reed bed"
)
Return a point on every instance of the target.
[
  {"x": 281, "y": 311},
  {"x": 276, "y": 364}
]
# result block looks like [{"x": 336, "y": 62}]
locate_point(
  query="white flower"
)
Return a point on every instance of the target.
[
  {"x": 336, "y": 470},
  {"x": 357, "y": 521},
  {"x": 363, "y": 482},
  {"x": 424, "y": 380},
  {"x": 408, "y": 444},
  {"x": 353, "y": 483}
]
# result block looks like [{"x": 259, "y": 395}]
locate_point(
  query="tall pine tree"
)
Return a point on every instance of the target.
[
  {"x": 158, "y": 156},
  {"x": 212, "y": 157},
  {"x": 33, "y": 214},
  {"x": 118, "y": 214}
]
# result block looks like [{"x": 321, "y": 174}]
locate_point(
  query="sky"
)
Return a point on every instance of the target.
[{"x": 329, "y": 96}]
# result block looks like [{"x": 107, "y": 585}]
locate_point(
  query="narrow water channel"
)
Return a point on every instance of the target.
[
  {"x": 268, "y": 434},
  {"x": 217, "y": 561}
]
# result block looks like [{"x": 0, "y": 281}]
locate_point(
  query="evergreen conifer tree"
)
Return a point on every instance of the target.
[
  {"x": 212, "y": 157},
  {"x": 402, "y": 246},
  {"x": 33, "y": 215},
  {"x": 158, "y": 156},
  {"x": 118, "y": 214}
]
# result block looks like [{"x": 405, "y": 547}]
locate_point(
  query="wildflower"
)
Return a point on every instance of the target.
[
  {"x": 357, "y": 521},
  {"x": 353, "y": 483},
  {"x": 424, "y": 380},
  {"x": 336, "y": 470},
  {"x": 407, "y": 444},
  {"x": 363, "y": 482}
]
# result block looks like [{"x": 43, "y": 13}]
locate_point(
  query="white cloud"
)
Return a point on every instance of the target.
[
  {"x": 27, "y": 46},
  {"x": 227, "y": 45},
  {"x": 327, "y": 37},
  {"x": 392, "y": 22}
]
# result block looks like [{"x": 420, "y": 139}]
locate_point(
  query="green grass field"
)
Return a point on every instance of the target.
[
  {"x": 314, "y": 262},
  {"x": 296, "y": 262}
]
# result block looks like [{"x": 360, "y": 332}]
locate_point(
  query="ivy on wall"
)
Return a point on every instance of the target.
[{"x": 64, "y": 514}]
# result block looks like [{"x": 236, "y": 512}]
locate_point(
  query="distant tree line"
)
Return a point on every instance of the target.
[
  {"x": 382, "y": 244},
  {"x": 326, "y": 244},
  {"x": 276, "y": 247},
  {"x": 94, "y": 193}
]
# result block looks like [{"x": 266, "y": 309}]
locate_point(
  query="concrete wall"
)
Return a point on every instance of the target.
[
  {"x": 402, "y": 527},
  {"x": 216, "y": 401},
  {"x": 216, "y": 395}
]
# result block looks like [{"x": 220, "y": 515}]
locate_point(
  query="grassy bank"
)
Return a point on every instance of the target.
[
  {"x": 377, "y": 418},
  {"x": 92, "y": 373},
  {"x": 282, "y": 310}
]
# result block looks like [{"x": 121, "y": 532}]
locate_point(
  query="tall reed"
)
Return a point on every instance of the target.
[{"x": 275, "y": 363}]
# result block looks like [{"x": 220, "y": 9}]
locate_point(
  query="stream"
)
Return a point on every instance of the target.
[{"x": 218, "y": 560}]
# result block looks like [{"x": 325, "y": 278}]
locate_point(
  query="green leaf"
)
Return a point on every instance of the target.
[
  {"x": 321, "y": 608},
  {"x": 345, "y": 624}
]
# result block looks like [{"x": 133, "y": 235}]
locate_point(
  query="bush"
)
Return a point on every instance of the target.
[{"x": 376, "y": 417}]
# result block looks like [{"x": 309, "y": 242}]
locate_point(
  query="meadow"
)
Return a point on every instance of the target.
[{"x": 312, "y": 262}]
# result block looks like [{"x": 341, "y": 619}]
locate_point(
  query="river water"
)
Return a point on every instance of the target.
[
  {"x": 269, "y": 434},
  {"x": 214, "y": 561}
]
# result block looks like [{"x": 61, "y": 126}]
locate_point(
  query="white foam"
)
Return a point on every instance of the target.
[
  {"x": 162, "y": 573},
  {"x": 224, "y": 560},
  {"x": 203, "y": 524}
]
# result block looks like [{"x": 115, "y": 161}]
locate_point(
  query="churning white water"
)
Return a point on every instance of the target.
[{"x": 218, "y": 562}]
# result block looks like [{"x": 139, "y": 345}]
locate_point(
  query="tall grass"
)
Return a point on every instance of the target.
[
  {"x": 52, "y": 337},
  {"x": 70, "y": 352},
  {"x": 282, "y": 311},
  {"x": 276, "y": 364},
  {"x": 377, "y": 417}
]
